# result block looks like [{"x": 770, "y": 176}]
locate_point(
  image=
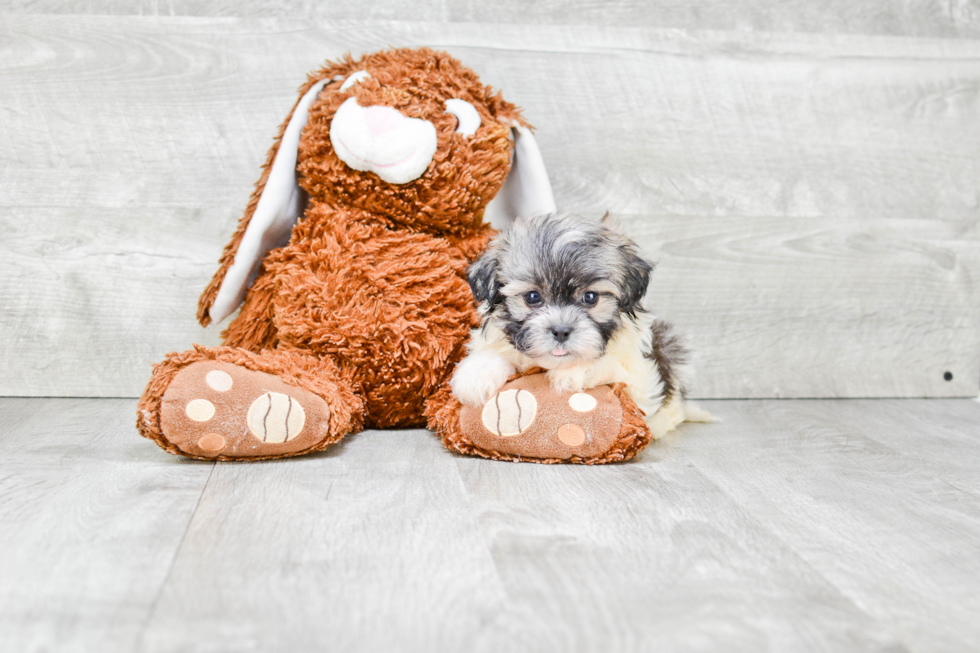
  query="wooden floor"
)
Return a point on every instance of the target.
[{"x": 843, "y": 525}]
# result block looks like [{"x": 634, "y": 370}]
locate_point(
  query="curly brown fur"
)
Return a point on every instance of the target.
[
  {"x": 443, "y": 201},
  {"x": 371, "y": 289},
  {"x": 368, "y": 305}
]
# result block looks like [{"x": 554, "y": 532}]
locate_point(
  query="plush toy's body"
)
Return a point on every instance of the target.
[
  {"x": 350, "y": 268},
  {"x": 389, "y": 308}
]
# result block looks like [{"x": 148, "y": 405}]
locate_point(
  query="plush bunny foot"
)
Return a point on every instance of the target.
[
  {"x": 529, "y": 421},
  {"x": 217, "y": 409}
]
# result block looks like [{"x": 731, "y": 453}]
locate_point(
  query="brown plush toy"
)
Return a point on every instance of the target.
[{"x": 350, "y": 268}]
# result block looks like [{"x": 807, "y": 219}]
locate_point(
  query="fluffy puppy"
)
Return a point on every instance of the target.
[{"x": 565, "y": 293}]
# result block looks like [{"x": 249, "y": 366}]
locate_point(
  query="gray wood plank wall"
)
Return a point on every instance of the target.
[
  {"x": 924, "y": 18},
  {"x": 804, "y": 172}
]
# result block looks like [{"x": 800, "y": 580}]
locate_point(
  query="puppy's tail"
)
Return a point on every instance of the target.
[
  {"x": 672, "y": 413},
  {"x": 694, "y": 413}
]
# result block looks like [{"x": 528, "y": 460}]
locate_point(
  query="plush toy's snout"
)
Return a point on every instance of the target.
[{"x": 382, "y": 140}]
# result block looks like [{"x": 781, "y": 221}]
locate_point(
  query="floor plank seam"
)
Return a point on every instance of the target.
[
  {"x": 790, "y": 549},
  {"x": 170, "y": 568},
  {"x": 486, "y": 538}
]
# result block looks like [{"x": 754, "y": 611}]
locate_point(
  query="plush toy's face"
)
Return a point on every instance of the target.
[{"x": 410, "y": 135}]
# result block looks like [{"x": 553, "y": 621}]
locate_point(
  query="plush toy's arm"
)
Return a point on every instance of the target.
[{"x": 272, "y": 210}]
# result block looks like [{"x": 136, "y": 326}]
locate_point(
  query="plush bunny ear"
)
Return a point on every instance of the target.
[
  {"x": 282, "y": 201},
  {"x": 526, "y": 190}
]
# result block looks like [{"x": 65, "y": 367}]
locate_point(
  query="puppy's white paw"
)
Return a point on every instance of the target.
[
  {"x": 479, "y": 376},
  {"x": 666, "y": 419},
  {"x": 568, "y": 379},
  {"x": 660, "y": 424}
]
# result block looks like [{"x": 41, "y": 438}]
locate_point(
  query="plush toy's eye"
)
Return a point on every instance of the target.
[
  {"x": 533, "y": 298},
  {"x": 353, "y": 79},
  {"x": 590, "y": 298},
  {"x": 467, "y": 119}
]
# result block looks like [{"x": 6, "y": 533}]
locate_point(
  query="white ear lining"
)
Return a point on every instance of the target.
[
  {"x": 527, "y": 190},
  {"x": 281, "y": 203}
]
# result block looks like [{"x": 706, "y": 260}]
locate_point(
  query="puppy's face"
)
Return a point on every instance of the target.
[{"x": 559, "y": 286}]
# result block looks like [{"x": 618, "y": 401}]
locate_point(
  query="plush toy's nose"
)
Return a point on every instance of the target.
[
  {"x": 381, "y": 140},
  {"x": 381, "y": 119}
]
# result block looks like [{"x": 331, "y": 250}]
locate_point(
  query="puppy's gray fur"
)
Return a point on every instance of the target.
[{"x": 565, "y": 293}]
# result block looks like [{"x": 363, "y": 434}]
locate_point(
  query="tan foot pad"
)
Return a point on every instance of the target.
[
  {"x": 213, "y": 409},
  {"x": 528, "y": 418}
]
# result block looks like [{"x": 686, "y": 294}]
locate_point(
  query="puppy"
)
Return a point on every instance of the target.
[{"x": 565, "y": 293}]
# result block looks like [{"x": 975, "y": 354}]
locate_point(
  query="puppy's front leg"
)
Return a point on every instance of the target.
[
  {"x": 567, "y": 379},
  {"x": 479, "y": 376}
]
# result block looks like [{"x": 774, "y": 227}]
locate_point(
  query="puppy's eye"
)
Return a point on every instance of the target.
[
  {"x": 467, "y": 119},
  {"x": 590, "y": 298},
  {"x": 353, "y": 79},
  {"x": 533, "y": 298}
]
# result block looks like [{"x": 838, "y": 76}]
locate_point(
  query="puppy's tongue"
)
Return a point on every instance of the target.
[{"x": 558, "y": 352}]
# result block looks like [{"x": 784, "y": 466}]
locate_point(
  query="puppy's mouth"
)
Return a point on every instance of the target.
[
  {"x": 536, "y": 340},
  {"x": 560, "y": 357}
]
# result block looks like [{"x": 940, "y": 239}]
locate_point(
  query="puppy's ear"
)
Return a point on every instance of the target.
[
  {"x": 614, "y": 229},
  {"x": 636, "y": 269},
  {"x": 482, "y": 275},
  {"x": 636, "y": 278}
]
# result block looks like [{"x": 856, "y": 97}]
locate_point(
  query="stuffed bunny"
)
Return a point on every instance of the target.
[{"x": 350, "y": 269}]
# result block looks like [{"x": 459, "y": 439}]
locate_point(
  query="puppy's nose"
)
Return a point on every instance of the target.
[{"x": 561, "y": 332}]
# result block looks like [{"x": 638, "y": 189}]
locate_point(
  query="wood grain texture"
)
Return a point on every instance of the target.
[
  {"x": 827, "y": 525},
  {"x": 650, "y": 557},
  {"x": 946, "y": 450},
  {"x": 784, "y": 505},
  {"x": 90, "y": 524},
  {"x": 371, "y": 546},
  {"x": 88, "y": 306},
  {"x": 811, "y": 197},
  {"x": 932, "y": 18},
  {"x": 868, "y": 494},
  {"x": 778, "y": 307}
]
